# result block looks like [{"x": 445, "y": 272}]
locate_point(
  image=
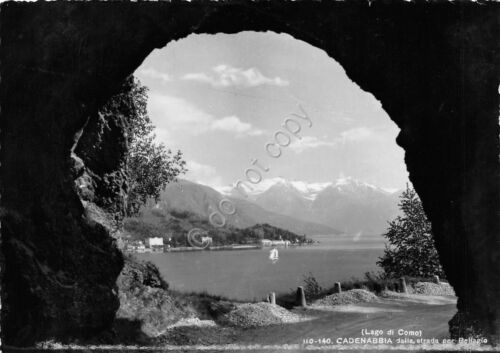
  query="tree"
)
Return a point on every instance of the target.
[
  {"x": 150, "y": 165},
  {"x": 411, "y": 250}
]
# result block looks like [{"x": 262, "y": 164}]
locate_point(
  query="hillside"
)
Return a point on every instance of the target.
[
  {"x": 201, "y": 201},
  {"x": 173, "y": 227},
  {"x": 296, "y": 207}
]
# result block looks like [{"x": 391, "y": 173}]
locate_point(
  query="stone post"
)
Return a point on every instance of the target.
[
  {"x": 337, "y": 288},
  {"x": 301, "y": 297},
  {"x": 272, "y": 298},
  {"x": 402, "y": 285},
  {"x": 436, "y": 280}
]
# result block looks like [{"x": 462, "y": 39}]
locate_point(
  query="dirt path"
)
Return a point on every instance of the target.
[
  {"x": 330, "y": 328},
  {"x": 427, "y": 314}
]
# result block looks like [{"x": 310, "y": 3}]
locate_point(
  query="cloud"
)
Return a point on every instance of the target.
[
  {"x": 357, "y": 134},
  {"x": 309, "y": 142},
  {"x": 202, "y": 173},
  {"x": 153, "y": 73},
  {"x": 227, "y": 76},
  {"x": 172, "y": 114},
  {"x": 234, "y": 124}
]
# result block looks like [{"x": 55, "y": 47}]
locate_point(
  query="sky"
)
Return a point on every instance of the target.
[{"x": 223, "y": 99}]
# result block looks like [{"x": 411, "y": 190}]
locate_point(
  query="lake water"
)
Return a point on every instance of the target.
[{"x": 250, "y": 274}]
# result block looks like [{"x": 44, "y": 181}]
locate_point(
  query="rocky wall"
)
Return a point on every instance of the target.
[{"x": 434, "y": 67}]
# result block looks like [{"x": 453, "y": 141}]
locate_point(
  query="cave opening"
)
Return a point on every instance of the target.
[{"x": 439, "y": 85}]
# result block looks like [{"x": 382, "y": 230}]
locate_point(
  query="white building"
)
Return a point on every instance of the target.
[
  {"x": 206, "y": 240},
  {"x": 155, "y": 244},
  {"x": 140, "y": 248},
  {"x": 267, "y": 242}
]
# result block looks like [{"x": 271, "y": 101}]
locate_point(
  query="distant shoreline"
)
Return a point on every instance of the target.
[
  {"x": 346, "y": 243},
  {"x": 218, "y": 248}
]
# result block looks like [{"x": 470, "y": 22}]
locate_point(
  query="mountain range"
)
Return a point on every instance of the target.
[
  {"x": 344, "y": 206},
  {"x": 201, "y": 200}
]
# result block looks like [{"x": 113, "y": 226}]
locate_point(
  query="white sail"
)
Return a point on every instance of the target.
[{"x": 273, "y": 255}]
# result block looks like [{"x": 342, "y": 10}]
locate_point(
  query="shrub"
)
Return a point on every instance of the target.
[
  {"x": 158, "y": 213},
  {"x": 179, "y": 213},
  {"x": 312, "y": 288}
]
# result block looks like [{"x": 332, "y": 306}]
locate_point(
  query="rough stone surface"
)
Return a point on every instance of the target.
[
  {"x": 352, "y": 296},
  {"x": 434, "y": 67},
  {"x": 428, "y": 288},
  {"x": 102, "y": 150},
  {"x": 144, "y": 298},
  {"x": 260, "y": 314}
]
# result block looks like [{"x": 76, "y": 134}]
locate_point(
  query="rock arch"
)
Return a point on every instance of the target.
[{"x": 435, "y": 68}]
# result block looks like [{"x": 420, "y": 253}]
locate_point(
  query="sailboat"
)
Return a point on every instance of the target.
[{"x": 273, "y": 255}]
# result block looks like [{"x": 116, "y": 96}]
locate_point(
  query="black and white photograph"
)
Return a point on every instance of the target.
[{"x": 250, "y": 176}]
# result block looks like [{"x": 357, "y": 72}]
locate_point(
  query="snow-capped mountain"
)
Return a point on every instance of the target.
[
  {"x": 201, "y": 200},
  {"x": 307, "y": 190},
  {"x": 356, "y": 207},
  {"x": 346, "y": 204}
]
